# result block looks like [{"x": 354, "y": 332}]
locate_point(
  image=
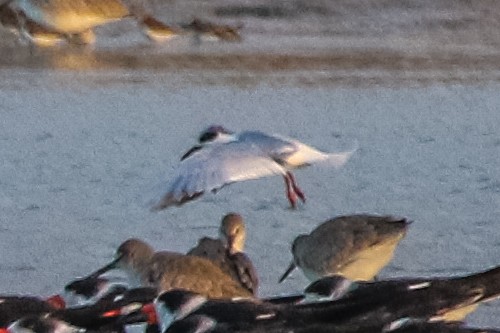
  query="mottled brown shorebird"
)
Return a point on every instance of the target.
[
  {"x": 354, "y": 246},
  {"x": 228, "y": 252},
  {"x": 166, "y": 270}
]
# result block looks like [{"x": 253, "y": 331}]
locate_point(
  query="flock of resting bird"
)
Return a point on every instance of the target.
[
  {"x": 214, "y": 287},
  {"x": 54, "y": 22}
]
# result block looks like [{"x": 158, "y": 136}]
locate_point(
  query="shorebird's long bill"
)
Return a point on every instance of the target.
[
  {"x": 108, "y": 267},
  {"x": 288, "y": 271}
]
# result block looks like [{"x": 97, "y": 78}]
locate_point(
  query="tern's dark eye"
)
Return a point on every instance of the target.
[{"x": 207, "y": 136}]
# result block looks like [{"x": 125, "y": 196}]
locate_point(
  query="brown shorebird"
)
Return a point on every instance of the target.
[
  {"x": 223, "y": 157},
  {"x": 227, "y": 252},
  {"x": 203, "y": 30},
  {"x": 48, "y": 22},
  {"x": 156, "y": 30},
  {"x": 354, "y": 246},
  {"x": 18, "y": 23},
  {"x": 170, "y": 270},
  {"x": 74, "y": 19}
]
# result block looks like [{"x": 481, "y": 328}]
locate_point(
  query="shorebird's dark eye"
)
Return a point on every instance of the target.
[{"x": 207, "y": 136}]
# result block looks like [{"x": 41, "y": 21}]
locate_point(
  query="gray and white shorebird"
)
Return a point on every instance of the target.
[
  {"x": 223, "y": 157},
  {"x": 73, "y": 19},
  {"x": 166, "y": 270},
  {"x": 354, "y": 246},
  {"x": 228, "y": 252}
]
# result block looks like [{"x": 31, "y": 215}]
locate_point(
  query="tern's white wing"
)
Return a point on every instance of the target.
[{"x": 214, "y": 166}]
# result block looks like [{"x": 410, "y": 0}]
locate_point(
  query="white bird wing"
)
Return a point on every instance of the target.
[{"x": 215, "y": 166}]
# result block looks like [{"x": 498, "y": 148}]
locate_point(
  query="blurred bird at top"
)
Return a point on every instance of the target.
[
  {"x": 223, "y": 157},
  {"x": 74, "y": 18},
  {"x": 46, "y": 22},
  {"x": 203, "y": 30}
]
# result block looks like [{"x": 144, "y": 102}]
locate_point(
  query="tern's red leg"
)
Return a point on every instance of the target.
[
  {"x": 290, "y": 193},
  {"x": 296, "y": 189}
]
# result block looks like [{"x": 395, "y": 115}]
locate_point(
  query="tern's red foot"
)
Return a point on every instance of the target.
[
  {"x": 295, "y": 187},
  {"x": 291, "y": 194}
]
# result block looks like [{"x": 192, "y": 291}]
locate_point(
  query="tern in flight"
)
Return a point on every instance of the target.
[{"x": 223, "y": 157}]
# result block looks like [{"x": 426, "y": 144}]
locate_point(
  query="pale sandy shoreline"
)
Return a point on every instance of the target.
[{"x": 338, "y": 69}]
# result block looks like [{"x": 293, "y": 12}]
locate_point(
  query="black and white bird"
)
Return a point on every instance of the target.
[
  {"x": 223, "y": 157},
  {"x": 443, "y": 293},
  {"x": 373, "y": 307}
]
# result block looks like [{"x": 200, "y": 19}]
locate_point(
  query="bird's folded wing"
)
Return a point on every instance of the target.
[
  {"x": 214, "y": 166},
  {"x": 246, "y": 271}
]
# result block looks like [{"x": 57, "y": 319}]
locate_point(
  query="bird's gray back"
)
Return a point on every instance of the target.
[
  {"x": 272, "y": 146},
  {"x": 336, "y": 240},
  {"x": 219, "y": 164}
]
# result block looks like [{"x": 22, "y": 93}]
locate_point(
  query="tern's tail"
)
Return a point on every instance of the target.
[
  {"x": 339, "y": 159},
  {"x": 306, "y": 155}
]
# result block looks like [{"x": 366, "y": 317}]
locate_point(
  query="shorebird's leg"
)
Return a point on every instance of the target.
[
  {"x": 290, "y": 193},
  {"x": 296, "y": 189}
]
